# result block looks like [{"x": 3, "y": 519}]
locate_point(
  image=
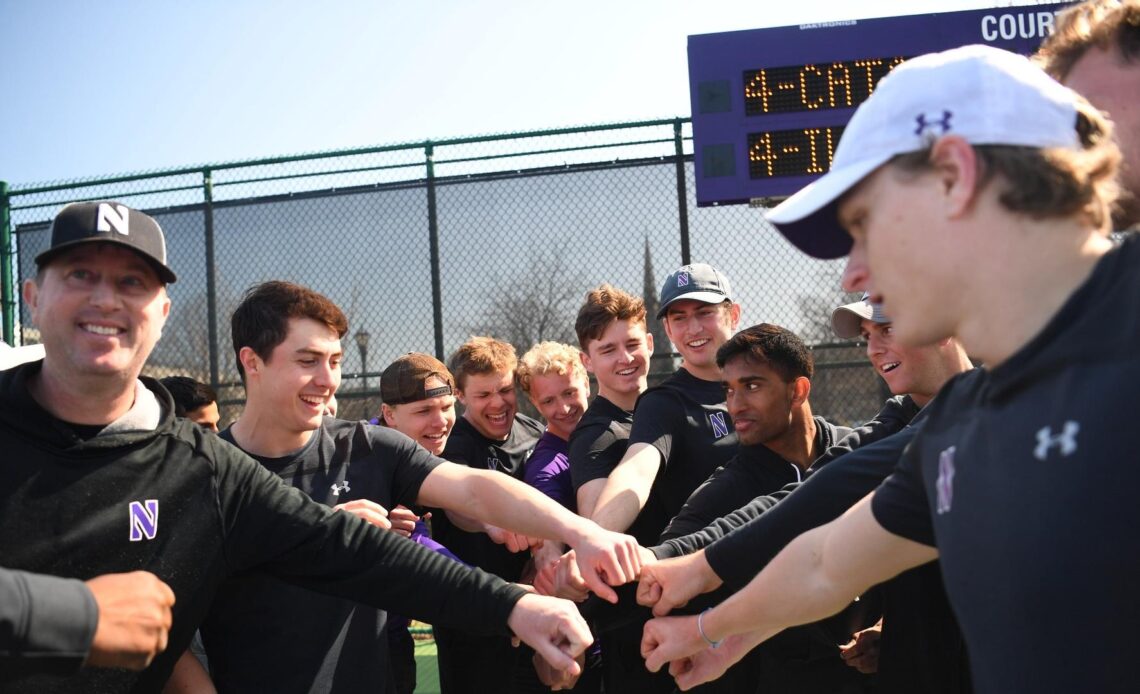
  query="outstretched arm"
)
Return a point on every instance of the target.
[
  {"x": 627, "y": 488},
  {"x": 605, "y": 557},
  {"x": 826, "y": 567}
]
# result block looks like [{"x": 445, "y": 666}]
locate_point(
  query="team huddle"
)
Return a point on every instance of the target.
[{"x": 710, "y": 531}]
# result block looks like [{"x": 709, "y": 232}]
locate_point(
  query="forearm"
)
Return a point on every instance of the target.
[
  {"x": 696, "y": 541},
  {"x": 46, "y": 623},
  {"x": 627, "y": 489},
  {"x": 505, "y": 502}
]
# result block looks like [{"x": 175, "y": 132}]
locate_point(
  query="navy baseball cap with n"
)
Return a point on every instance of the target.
[
  {"x": 986, "y": 95},
  {"x": 699, "y": 282},
  {"x": 847, "y": 320},
  {"x": 108, "y": 222}
]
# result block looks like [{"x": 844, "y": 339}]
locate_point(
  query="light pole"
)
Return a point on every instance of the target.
[{"x": 362, "y": 337}]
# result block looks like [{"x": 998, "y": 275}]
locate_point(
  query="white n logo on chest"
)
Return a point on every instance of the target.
[{"x": 1066, "y": 441}]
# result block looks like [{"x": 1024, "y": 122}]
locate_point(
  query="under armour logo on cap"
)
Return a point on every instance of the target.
[
  {"x": 1066, "y": 441},
  {"x": 923, "y": 123}
]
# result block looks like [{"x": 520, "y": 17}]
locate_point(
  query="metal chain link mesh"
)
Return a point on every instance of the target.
[{"x": 524, "y": 224}]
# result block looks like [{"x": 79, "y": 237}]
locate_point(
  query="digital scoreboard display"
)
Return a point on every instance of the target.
[{"x": 769, "y": 105}]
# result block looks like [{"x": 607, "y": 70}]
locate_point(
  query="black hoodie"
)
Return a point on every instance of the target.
[{"x": 185, "y": 505}]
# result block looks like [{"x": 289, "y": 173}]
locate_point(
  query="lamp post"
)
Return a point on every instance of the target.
[{"x": 362, "y": 337}]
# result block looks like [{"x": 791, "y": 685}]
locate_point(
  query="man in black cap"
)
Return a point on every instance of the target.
[{"x": 98, "y": 476}]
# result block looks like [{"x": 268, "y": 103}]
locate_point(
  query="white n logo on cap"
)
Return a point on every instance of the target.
[{"x": 117, "y": 216}]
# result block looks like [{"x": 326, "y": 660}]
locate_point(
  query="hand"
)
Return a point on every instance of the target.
[
  {"x": 666, "y": 639},
  {"x": 553, "y": 628},
  {"x": 134, "y": 619},
  {"x": 862, "y": 651},
  {"x": 671, "y": 583},
  {"x": 403, "y": 520},
  {"x": 514, "y": 542},
  {"x": 368, "y": 511},
  {"x": 549, "y": 553},
  {"x": 708, "y": 664},
  {"x": 568, "y": 581},
  {"x": 605, "y": 559},
  {"x": 556, "y": 679}
]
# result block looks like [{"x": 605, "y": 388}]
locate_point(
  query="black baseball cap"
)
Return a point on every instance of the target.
[
  {"x": 109, "y": 222},
  {"x": 405, "y": 380},
  {"x": 699, "y": 282}
]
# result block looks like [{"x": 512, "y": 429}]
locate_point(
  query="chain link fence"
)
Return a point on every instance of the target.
[{"x": 426, "y": 244}]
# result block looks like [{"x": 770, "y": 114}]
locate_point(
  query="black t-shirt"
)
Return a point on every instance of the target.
[
  {"x": 1025, "y": 477},
  {"x": 263, "y": 634},
  {"x": 597, "y": 445},
  {"x": 686, "y": 420},
  {"x": 754, "y": 471},
  {"x": 192, "y": 509},
  {"x": 466, "y": 446}
]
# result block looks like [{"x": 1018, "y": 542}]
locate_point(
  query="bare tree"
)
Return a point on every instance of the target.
[
  {"x": 538, "y": 303},
  {"x": 817, "y": 307}
]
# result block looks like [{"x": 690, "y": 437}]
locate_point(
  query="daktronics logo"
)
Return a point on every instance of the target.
[{"x": 1025, "y": 25}]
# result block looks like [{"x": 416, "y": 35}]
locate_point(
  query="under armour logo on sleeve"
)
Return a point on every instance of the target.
[
  {"x": 922, "y": 123},
  {"x": 945, "y": 482},
  {"x": 1066, "y": 441},
  {"x": 338, "y": 488},
  {"x": 143, "y": 518}
]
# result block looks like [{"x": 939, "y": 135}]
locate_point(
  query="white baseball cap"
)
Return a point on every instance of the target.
[{"x": 986, "y": 95}]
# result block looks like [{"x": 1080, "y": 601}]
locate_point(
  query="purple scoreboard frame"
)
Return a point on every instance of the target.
[{"x": 769, "y": 104}]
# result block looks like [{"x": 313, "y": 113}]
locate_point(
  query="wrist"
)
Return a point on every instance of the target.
[{"x": 701, "y": 629}]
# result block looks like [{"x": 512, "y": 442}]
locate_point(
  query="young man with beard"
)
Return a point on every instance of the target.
[
  {"x": 264, "y": 634},
  {"x": 991, "y": 224},
  {"x": 93, "y": 454}
]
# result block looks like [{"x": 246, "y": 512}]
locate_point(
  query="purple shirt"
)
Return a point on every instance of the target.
[{"x": 548, "y": 470}]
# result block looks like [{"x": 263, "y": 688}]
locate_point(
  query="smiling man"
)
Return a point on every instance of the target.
[
  {"x": 992, "y": 226},
  {"x": 681, "y": 429},
  {"x": 263, "y": 634},
  {"x": 99, "y": 476}
]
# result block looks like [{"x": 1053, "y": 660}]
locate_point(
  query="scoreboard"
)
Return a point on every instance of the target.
[{"x": 769, "y": 105}]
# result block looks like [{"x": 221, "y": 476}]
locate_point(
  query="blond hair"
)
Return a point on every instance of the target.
[{"x": 547, "y": 358}]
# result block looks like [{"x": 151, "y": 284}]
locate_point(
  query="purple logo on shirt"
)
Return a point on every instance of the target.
[
  {"x": 682, "y": 279},
  {"x": 143, "y": 519},
  {"x": 719, "y": 424},
  {"x": 945, "y": 483}
]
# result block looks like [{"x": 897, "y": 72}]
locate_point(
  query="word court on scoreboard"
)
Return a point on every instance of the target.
[{"x": 769, "y": 105}]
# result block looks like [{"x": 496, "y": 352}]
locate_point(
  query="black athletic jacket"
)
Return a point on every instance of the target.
[{"x": 192, "y": 509}]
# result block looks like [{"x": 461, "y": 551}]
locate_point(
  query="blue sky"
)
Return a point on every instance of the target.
[{"x": 100, "y": 88}]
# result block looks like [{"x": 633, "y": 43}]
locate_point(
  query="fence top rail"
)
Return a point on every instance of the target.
[{"x": 205, "y": 169}]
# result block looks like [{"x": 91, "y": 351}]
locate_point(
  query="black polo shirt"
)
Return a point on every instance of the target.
[
  {"x": 685, "y": 418},
  {"x": 1025, "y": 478}
]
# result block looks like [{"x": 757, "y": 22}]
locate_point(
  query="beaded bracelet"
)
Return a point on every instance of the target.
[{"x": 701, "y": 630}]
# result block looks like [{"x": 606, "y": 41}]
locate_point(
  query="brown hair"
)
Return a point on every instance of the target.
[
  {"x": 481, "y": 355},
  {"x": 1053, "y": 182},
  {"x": 603, "y": 306},
  {"x": 548, "y": 357},
  {"x": 1105, "y": 24},
  {"x": 261, "y": 320}
]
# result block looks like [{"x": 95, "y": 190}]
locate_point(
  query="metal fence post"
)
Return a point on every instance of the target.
[
  {"x": 433, "y": 244},
  {"x": 211, "y": 283},
  {"x": 682, "y": 191},
  {"x": 7, "y": 255}
]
